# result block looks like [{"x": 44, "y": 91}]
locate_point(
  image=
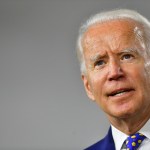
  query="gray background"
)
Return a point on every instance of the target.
[{"x": 43, "y": 105}]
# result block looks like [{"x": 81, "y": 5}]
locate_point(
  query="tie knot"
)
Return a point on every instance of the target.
[{"x": 134, "y": 141}]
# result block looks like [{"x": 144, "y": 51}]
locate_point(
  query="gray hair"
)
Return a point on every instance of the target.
[{"x": 144, "y": 34}]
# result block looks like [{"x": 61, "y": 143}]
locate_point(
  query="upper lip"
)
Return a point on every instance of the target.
[{"x": 116, "y": 91}]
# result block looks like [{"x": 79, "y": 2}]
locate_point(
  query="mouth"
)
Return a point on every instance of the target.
[{"x": 119, "y": 92}]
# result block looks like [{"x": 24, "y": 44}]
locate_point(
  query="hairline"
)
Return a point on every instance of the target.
[{"x": 121, "y": 14}]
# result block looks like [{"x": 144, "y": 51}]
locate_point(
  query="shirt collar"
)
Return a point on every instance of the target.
[
  {"x": 145, "y": 130},
  {"x": 119, "y": 137}
]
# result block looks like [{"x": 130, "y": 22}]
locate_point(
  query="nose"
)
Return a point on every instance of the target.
[{"x": 115, "y": 71}]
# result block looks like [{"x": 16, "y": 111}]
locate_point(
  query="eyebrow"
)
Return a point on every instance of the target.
[
  {"x": 129, "y": 50},
  {"x": 100, "y": 56},
  {"x": 96, "y": 57}
]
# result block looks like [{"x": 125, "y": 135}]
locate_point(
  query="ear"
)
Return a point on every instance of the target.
[{"x": 88, "y": 88}]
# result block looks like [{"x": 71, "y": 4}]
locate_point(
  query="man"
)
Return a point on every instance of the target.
[{"x": 114, "y": 55}]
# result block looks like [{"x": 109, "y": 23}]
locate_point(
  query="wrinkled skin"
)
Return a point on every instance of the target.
[{"x": 115, "y": 75}]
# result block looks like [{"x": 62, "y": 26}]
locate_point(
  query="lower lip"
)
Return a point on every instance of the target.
[{"x": 122, "y": 95}]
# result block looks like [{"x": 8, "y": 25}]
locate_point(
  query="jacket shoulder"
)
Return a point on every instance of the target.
[
  {"x": 104, "y": 144},
  {"x": 97, "y": 145}
]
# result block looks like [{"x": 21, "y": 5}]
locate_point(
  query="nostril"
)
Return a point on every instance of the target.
[
  {"x": 115, "y": 77},
  {"x": 115, "y": 74}
]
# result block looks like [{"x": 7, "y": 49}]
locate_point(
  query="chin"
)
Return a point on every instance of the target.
[
  {"x": 123, "y": 115},
  {"x": 122, "y": 112},
  {"x": 126, "y": 107}
]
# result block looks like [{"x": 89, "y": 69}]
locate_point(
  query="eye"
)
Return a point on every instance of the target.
[
  {"x": 127, "y": 57},
  {"x": 100, "y": 63}
]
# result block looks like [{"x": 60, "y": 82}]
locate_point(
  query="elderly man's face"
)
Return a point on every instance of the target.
[{"x": 116, "y": 77}]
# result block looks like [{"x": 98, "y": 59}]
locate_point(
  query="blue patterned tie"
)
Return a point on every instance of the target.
[{"x": 134, "y": 141}]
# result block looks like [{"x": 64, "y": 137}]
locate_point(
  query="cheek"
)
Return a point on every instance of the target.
[
  {"x": 138, "y": 78},
  {"x": 136, "y": 74},
  {"x": 97, "y": 83}
]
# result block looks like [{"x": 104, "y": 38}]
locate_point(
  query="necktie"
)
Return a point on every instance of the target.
[{"x": 134, "y": 141}]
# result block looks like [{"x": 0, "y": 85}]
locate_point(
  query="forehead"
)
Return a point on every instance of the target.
[{"x": 109, "y": 33}]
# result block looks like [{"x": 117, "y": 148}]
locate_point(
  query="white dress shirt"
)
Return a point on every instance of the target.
[{"x": 119, "y": 137}]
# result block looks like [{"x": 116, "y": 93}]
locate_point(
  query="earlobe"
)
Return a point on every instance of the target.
[{"x": 88, "y": 88}]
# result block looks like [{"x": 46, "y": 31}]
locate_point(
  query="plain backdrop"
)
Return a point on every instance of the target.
[{"x": 43, "y": 105}]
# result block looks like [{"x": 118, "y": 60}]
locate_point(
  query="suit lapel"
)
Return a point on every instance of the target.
[{"x": 108, "y": 141}]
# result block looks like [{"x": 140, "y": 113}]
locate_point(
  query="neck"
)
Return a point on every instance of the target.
[{"x": 130, "y": 125}]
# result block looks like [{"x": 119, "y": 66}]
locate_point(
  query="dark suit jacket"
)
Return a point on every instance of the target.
[{"x": 106, "y": 143}]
